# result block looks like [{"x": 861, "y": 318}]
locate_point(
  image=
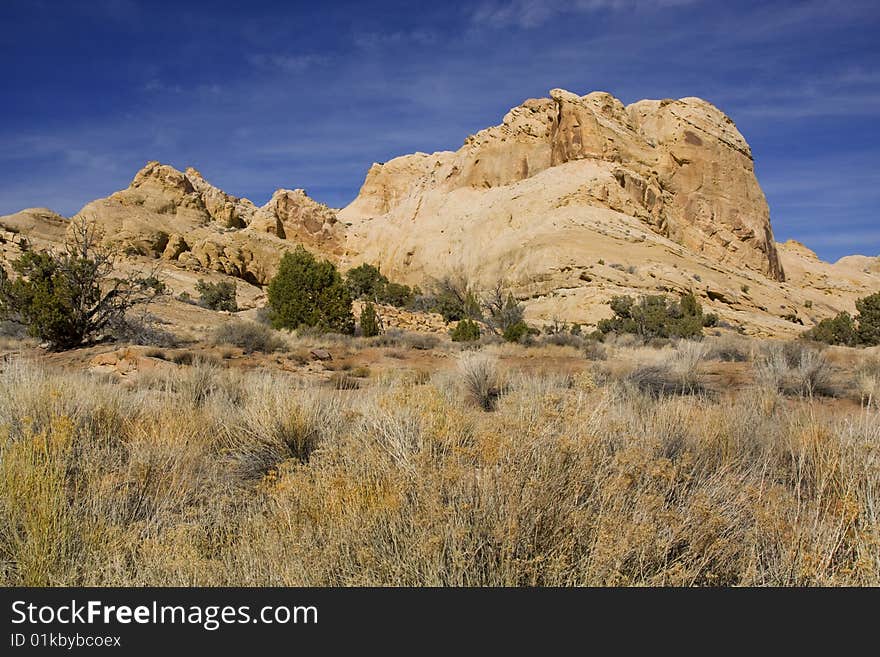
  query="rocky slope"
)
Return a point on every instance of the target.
[{"x": 572, "y": 199}]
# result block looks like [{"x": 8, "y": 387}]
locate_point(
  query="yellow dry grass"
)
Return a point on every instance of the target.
[{"x": 218, "y": 477}]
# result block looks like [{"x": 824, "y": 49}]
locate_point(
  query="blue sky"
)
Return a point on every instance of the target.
[{"x": 262, "y": 95}]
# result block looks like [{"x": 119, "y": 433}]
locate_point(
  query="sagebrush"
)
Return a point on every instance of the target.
[{"x": 212, "y": 476}]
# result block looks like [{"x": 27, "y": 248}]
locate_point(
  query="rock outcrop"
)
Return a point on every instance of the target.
[
  {"x": 179, "y": 216},
  {"x": 679, "y": 166},
  {"x": 569, "y": 201},
  {"x": 39, "y": 226}
]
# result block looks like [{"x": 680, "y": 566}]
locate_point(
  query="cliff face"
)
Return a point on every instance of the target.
[{"x": 680, "y": 167}]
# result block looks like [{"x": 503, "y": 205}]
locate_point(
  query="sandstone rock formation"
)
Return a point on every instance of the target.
[
  {"x": 128, "y": 362},
  {"x": 179, "y": 216},
  {"x": 569, "y": 201},
  {"x": 404, "y": 320},
  {"x": 680, "y": 167},
  {"x": 40, "y": 226}
]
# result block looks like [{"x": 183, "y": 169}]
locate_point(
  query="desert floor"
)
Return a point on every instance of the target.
[{"x": 407, "y": 459}]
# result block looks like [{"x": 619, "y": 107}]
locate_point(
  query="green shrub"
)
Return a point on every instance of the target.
[
  {"x": 367, "y": 282},
  {"x": 311, "y": 293},
  {"x": 843, "y": 329},
  {"x": 840, "y": 330},
  {"x": 655, "y": 316},
  {"x": 217, "y": 296},
  {"x": 869, "y": 319},
  {"x": 67, "y": 297},
  {"x": 516, "y": 332},
  {"x": 453, "y": 299},
  {"x": 369, "y": 321},
  {"x": 466, "y": 330}
]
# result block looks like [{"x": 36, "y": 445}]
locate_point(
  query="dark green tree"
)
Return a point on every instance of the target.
[
  {"x": 869, "y": 319},
  {"x": 397, "y": 294},
  {"x": 466, "y": 330},
  {"x": 840, "y": 330},
  {"x": 369, "y": 321},
  {"x": 308, "y": 292},
  {"x": 655, "y": 316},
  {"x": 365, "y": 282},
  {"x": 70, "y": 296}
]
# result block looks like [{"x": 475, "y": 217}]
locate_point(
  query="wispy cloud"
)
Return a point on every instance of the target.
[
  {"x": 534, "y": 13},
  {"x": 376, "y": 40},
  {"x": 157, "y": 86},
  {"x": 287, "y": 63}
]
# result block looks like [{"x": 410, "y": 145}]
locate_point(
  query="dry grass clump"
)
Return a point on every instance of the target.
[
  {"x": 361, "y": 372},
  {"x": 420, "y": 341},
  {"x": 686, "y": 361},
  {"x": 14, "y": 337},
  {"x": 729, "y": 348},
  {"x": 407, "y": 339},
  {"x": 216, "y": 477},
  {"x": 344, "y": 381},
  {"x": 479, "y": 377},
  {"x": 794, "y": 368},
  {"x": 390, "y": 338},
  {"x": 249, "y": 336},
  {"x": 563, "y": 339},
  {"x": 676, "y": 374},
  {"x": 867, "y": 382},
  {"x": 594, "y": 350}
]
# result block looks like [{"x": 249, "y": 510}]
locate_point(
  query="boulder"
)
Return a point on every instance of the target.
[{"x": 320, "y": 354}]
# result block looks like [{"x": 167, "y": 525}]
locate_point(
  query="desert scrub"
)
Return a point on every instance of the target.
[
  {"x": 39, "y": 536},
  {"x": 479, "y": 377},
  {"x": 465, "y": 331},
  {"x": 867, "y": 382},
  {"x": 794, "y": 368},
  {"x": 248, "y": 336},
  {"x": 270, "y": 479},
  {"x": 729, "y": 348},
  {"x": 217, "y": 296}
]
